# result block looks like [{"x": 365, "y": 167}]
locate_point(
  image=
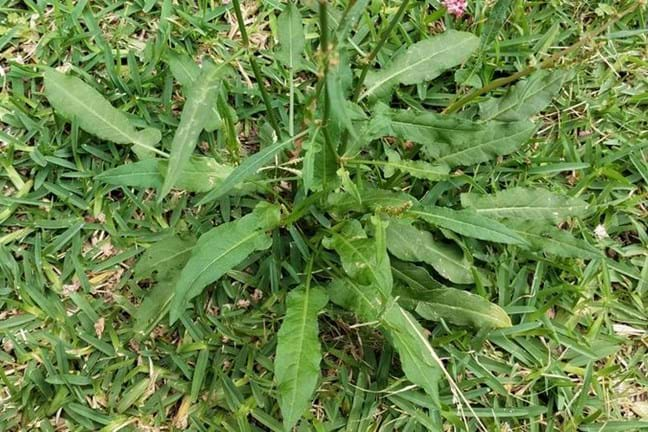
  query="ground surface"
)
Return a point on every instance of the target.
[{"x": 575, "y": 358}]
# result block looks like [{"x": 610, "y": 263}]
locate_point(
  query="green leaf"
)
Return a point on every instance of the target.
[
  {"x": 538, "y": 205},
  {"x": 163, "y": 261},
  {"x": 365, "y": 260},
  {"x": 449, "y": 140},
  {"x": 75, "y": 99},
  {"x": 468, "y": 223},
  {"x": 290, "y": 33},
  {"x": 524, "y": 99},
  {"x": 164, "y": 258},
  {"x": 320, "y": 165},
  {"x": 460, "y": 308},
  {"x": 187, "y": 72},
  {"x": 201, "y": 174},
  {"x": 360, "y": 299},
  {"x": 183, "y": 68},
  {"x": 423, "y": 61},
  {"x": 408, "y": 243},
  {"x": 416, "y": 168},
  {"x": 296, "y": 365},
  {"x": 371, "y": 200},
  {"x": 554, "y": 241},
  {"x": 219, "y": 250},
  {"x": 418, "y": 359},
  {"x": 195, "y": 115},
  {"x": 247, "y": 169},
  {"x": 415, "y": 277}
]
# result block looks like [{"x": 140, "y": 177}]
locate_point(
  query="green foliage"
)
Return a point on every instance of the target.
[{"x": 471, "y": 279}]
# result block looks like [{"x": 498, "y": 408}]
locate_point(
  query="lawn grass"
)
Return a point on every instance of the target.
[{"x": 574, "y": 359}]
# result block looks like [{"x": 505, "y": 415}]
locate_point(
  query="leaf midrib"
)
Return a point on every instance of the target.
[{"x": 379, "y": 83}]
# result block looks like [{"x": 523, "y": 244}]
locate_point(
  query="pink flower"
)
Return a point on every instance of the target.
[{"x": 455, "y": 7}]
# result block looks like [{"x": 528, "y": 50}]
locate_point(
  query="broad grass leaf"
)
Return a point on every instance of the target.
[
  {"x": 526, "y": 98},
  {"x": 75, "y": 99},
  {"x": 423, "y": 61},
  {"x": 290, "y": 33},
  {"x": 416, "y": 168},
  {"x": 538, "y": 205},
  {"x": 296, "y": 364},
  {"x": 246, "y": 169},
  {"x": 468, "y": 223},
  {"x": 418, "y": 359},
  {"x": 219, "y": 250},
  {"x": 365, "y": 260},
  {"x": 449, "y": 140},
  {"x": 408, "y": 243},
  {"x": 195, "y": 115},
  {"x": 462, "y": 308}
]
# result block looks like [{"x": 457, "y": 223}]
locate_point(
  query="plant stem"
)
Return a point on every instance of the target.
[
  {"x": 255, "y": 69},
  {"x": 369, "y": 61},
  {"x": 545, "y": 64}
]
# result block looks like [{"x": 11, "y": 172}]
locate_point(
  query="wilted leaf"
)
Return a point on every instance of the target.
[
  {"x": 75, "y": 99},
  {"x": 298, "y": 353},
  {"x": 423, "y": 61},
  {"x": 537, "y": 205}
]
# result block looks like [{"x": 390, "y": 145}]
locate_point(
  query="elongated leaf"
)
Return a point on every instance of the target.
[
  {"x": 75, "y": 99},
  {"x": 423, "y": 61},
  {"x": 194, "y": 117},
  {"x": 526, "y": 98},
  {"x": 538, "y": 205},
  {"x": 418, "y": 359},
  {"x": 468, "y": 223},
  {"x": 372, "y": 199},
  {"x": 290, "y": 32},
  {"x": 554, "y": 241},
  {"x": 363, "y": 300},
  {"x": 187, "y": 72},
  {"x": 320, "y": 166},
  {"x": 183, "y": 68},
  {"x": 450, "y": 140},
  {"x": 365, "y": 260},
  {"x": 201, "y": 174},
  {"x": 413, "y": 276},
  {"x": 164, "y": 257},
  {"x": 408, "y": 243},
  {"x": 163, "y": 261},
  {"x": 461, "y": 308},
  {"x": 416, "y": 168},
  {"x": 219, "y": 250},
  {"x": 298, "y": 353},
  {"x": 246, "y": 170}
]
